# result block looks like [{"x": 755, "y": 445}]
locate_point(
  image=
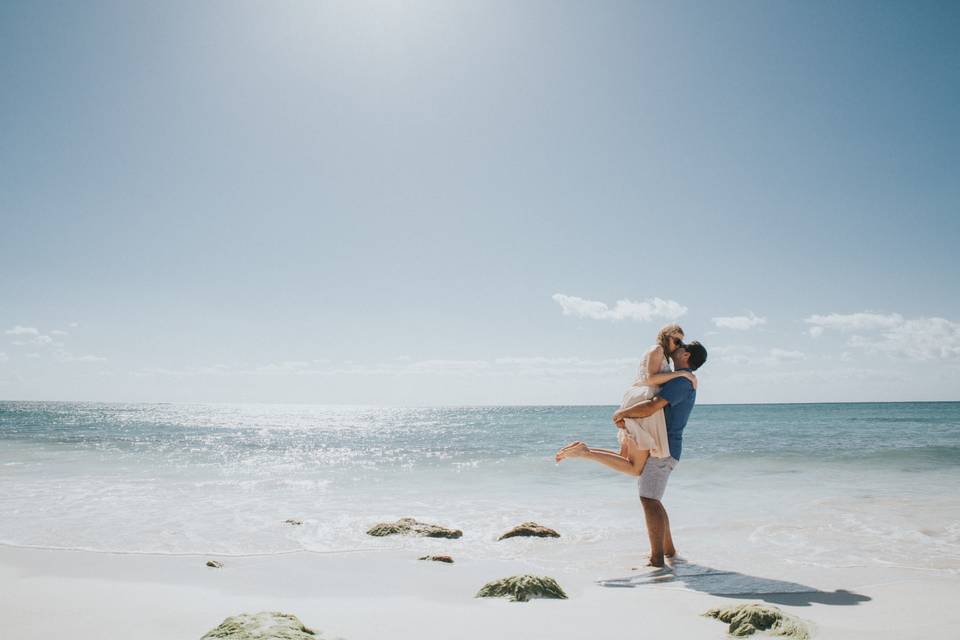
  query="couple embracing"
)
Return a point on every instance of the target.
[{"x": 650, "y": 425}]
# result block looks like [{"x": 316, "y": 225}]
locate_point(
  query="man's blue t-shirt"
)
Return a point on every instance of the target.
[{"x": 681, "y": 396}]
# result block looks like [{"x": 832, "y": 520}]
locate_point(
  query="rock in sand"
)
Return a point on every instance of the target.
[
  {"x": 216, "y": 564},
  {"x": 446, "y": 559},
  {"x": 266, "y": 625},
  {"x": 410, "y": 527},
  {"x": 522, "y": 588},
  {"x": 530, "y": 529},
  {"x": 746, "y": 619}
]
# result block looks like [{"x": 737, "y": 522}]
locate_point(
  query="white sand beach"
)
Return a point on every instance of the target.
[
  {"x": 110, "y": 534},
  {"x": 365, "y": 595}
]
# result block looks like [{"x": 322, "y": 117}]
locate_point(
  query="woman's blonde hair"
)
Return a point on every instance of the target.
[{"x": 664, "y": 334}]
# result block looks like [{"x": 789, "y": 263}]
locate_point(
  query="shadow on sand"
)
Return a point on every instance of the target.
[{"x": 730, "y": 584}]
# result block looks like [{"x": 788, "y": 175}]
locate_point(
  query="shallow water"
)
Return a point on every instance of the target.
[{"x": 830, "y": 484}]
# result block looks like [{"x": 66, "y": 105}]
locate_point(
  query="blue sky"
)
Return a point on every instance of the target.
[{"x": 428, "y": 203}]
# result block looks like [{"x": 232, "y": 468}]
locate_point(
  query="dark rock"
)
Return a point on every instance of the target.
[
  {"x": 530, "y": 529},
  {"x": 746, "y": 619},
  {"x": 410, "y": 527},
  {"x": 216, "y": 564},
  {"x": 446, "y": 559},
  {"x": 522, "y": 588},
  {"x": 293, "y": 521},
  {"x": 266, "y": 625}
]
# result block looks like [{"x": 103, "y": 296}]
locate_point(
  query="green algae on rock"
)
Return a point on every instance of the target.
[
  {"x": 746, "y": 619},
  {"x": 216, "y": 564},
  {"x": 522, "y": 588},
  {"x": 266, "y": 625},
  {"x": 410, "y": 527},
  {"x": 446, "y": 559},
  {"x": 530, "y": 529}
]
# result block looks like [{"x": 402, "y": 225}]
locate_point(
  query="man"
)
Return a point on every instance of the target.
[{"x": 676, "y": 398}]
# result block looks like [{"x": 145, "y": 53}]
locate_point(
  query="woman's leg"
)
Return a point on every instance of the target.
[{"x": 632, "y": 464}]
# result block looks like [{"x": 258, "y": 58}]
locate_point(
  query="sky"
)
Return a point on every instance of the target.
[{"x": 448, "y": 203}]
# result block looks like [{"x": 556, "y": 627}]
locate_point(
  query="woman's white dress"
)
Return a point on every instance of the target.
[{"x": 650, "y": 432}]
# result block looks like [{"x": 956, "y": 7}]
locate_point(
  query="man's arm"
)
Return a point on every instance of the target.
[{"x": 641, "y": 409}]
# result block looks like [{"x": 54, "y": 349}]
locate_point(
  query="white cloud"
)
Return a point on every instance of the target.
[
  {"x": 753, "y": 357},
  {"x": 786, "y": 354},
  {"x": 733, "y": 355},
  {"x": 217, "y": 369},
  {"x": 864, "y": 321},
  {"x": 536, "y": 360},
  {"x": 58, "y": 332},
  {"x": 22, "y": 331},
  {"x": 287, "y": 366},
  {"x": 66, "y": 357},
  {"x": 918, "y": 339},
  {"x": 40, "y": 341},
  {"x": 624, "y": 309},
  {"x": 449, "y": 365},
  {"x": 73, "y": 325},
  {"x": 33, "y": 356},
  {"x": 740, "y": 323},
  {"x": 28, "y": 336}
]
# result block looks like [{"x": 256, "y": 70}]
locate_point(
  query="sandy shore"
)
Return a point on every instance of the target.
[{"x": 360, "y": 596}]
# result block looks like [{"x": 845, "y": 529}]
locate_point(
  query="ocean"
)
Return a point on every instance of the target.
[{"x": 811, "y": 484}]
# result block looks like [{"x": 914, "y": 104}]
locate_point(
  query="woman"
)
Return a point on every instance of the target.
[{"x": 641, "y": 437}]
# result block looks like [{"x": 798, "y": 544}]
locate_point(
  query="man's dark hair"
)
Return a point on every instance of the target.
[{"x": 698, "y": 354}]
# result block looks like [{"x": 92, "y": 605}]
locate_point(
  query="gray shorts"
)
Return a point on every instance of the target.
[{"x": 653, "y": 480}]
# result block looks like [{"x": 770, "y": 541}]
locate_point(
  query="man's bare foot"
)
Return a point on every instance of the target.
[
  {"x": 654, "y": 562},
  {"x": 670, "y": 552},
  {"x": 573, "y": 450}
]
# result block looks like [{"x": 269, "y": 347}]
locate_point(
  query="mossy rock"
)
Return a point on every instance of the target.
[
  {"x": 216, "y": 564},
  {"x": 410, "y": 527},
  {"x": 522, "y": 588},
  {"x": 746, "y": 619},
  {"x": 446, "y": 559},
  {"x": 266, "y": 625},
  {"x": 530, "y": 529}
]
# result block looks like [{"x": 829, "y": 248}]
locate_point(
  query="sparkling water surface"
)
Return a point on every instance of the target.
[{"x": 825, "y": 484}]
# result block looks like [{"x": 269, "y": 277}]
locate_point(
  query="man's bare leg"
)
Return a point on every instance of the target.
[
  {"x": 669, "y": 550},
  {"x": 657, "y": 529}
]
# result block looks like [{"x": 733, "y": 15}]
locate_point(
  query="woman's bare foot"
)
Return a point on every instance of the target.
[
  {"x": 654, "y": 562},
  {"x": 573, "y": 450}
]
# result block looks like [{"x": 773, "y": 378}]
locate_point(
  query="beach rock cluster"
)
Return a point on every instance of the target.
[
  {"x": 266, "y": 625},
  {"x": 522, "y": 588},
  {"x": 531, "y": 529},
  {"x": 446, "y": 559},
  {"x": 747, "y": 619},
  {"x": 410, "y": 527}
]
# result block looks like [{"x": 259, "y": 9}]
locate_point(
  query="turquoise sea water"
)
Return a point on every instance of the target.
[{"x": 831, "y": 484}]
